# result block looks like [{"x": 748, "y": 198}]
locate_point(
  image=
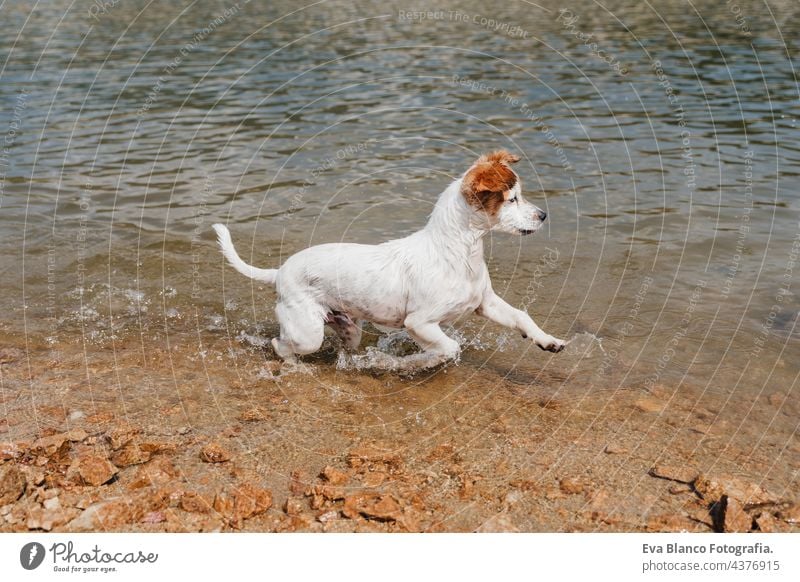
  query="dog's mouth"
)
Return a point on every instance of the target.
[{"x": 525, "y": 232}]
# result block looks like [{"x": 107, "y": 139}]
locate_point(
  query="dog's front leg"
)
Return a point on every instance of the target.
[
  {"x": 497, "y": 310},
  {"x": 432, "y": 340},
  {"x": 437, "y": 349}
]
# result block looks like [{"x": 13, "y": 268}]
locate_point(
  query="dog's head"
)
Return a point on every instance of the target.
[{"x": 493, "y": 191}]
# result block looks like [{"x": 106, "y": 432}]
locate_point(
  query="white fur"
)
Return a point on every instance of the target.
[{"x": 431, "y": 277}]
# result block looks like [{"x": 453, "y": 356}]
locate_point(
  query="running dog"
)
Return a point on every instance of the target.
[{"x": 416, "y": 283}]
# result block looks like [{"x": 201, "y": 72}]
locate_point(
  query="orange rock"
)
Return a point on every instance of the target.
[
  {"x": 214, "y": 453},
  {"x": 194, "y": 503},
  {"x": 12, "y": 484},
  {"x": 372, "y": 506},
  {"x": 159, "y": 471},
  {"x": 49, "y": 445},
  {"x": 154, "y": 446},
  {"x": 243, "y": 502},
  {"x": 297, "y": 483},
  {"x": 223, "y": 504},
  {"x": 130, "y": 454},
  {"x": 327, "y": 492},
  {"x": 109, "y": 514},
  {"x": 736, "y": 520},
  {"x": 373, "y": 479},
  {"x": 117, "y": 512},
  {"x": 121, "y": 435},
  {"x": 334, "y": 476},
  {"x": 91, "y": 470},
  {"x": 368, "y": 457},
  {"x": 293, "y": 506}
]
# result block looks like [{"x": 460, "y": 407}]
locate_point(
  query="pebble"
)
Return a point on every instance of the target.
[
  {"x": 91, "y": 470},
  {"x": 47, "y": 519},
  {"x": 374, "y": 479},
  {"x": 108, "y": 514},
  {"x": 372, "y": 506},
  {"x": 297, "y": 482},
  {"x": 293, "y": 506},
  {"x": 194, "y": 503},
  {"x": 243, "y": 502},
  {"x": 12, "y": 484},
  {"x": 130, "y": 454},
  {"x": 52, "y": 503},
  {"x": 328, "y": 516},
  {"x": 736, "y": 520},
  {"x": 50, "y": 445},
  {"x": 615, "y": 449},
  {"x": 214, "y": 453},
  {"x": 374, "y": 459},
  {"x": 121, "y": 435},
  {"x": 334, "y": 476},
  {"x": 159, "y": 471}
]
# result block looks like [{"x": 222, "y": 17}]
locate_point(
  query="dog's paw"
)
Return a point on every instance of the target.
[{"x": 551, "y": 344}]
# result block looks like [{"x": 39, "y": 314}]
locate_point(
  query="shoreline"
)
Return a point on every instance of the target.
[{"x": 156, "y": 438}]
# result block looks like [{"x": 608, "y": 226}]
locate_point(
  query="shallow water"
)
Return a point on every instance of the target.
[{"x": 670, "y": 252}]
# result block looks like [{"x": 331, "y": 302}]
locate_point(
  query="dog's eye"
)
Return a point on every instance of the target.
[{"x": 512, "y": 200}]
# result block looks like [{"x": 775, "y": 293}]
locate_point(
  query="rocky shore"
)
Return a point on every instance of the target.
[{"x": 166, "y": 441}]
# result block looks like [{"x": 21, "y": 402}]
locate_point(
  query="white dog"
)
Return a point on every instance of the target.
[{"x": 432, "y": 277}]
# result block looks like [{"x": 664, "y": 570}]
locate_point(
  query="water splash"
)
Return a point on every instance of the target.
[
  {"x": 256, "y": 341},
  {"x": 396, "y": 343},
  {"x": 583, "y": 345},
  {"x": 376, "y": 360}
]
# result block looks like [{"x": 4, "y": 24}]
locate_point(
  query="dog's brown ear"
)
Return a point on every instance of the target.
[
  {"x": 503, "y": 157},
  {"x": 488, "y": 180}
]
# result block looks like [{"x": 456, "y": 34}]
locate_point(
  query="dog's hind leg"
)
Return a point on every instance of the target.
[
  {"x": 348, "y": 330},
  {"x": 302, "y": 330}
]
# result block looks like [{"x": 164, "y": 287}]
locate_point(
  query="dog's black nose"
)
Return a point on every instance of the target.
[{"x": 542, "y": 215}]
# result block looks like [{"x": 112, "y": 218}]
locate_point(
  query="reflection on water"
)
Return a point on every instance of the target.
[{"x": 661, "y": 139}]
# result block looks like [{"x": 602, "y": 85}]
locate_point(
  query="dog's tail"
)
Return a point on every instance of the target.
[{"x": 225, "y": 242}]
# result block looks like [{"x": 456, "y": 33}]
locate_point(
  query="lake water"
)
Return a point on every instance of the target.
[{"x": 660, "y": 137}]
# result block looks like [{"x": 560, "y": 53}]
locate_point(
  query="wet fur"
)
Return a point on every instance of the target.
[{"x": 431, "y": 277}]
